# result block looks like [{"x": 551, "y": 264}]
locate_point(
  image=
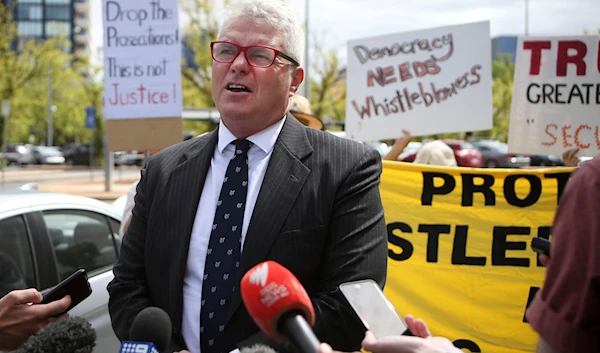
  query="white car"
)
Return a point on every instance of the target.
[{"x": 44, "y": 237}]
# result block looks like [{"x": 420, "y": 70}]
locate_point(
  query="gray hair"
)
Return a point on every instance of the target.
[{"x": 275, "y": 13}]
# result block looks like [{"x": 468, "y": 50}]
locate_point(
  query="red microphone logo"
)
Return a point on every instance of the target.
[{"x": 271, "y": 291}]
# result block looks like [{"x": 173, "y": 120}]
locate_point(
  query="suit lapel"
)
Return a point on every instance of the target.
[
  {"x": 284, "y": 178},
  {"x": 183, "y": 190}
]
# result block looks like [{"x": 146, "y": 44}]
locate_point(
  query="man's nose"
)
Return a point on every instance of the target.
[{"x": 240, "y": 63}]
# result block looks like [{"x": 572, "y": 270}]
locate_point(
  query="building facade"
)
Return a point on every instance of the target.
[{"x": 43, "y": 19}]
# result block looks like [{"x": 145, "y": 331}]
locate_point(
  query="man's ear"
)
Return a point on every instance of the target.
[{"x": 297, "y": 78}]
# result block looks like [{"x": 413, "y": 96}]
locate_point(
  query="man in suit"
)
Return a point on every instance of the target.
[{"x": 307, "y": 200}]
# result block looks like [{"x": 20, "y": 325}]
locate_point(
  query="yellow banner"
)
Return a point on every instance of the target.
[{"x": 459, "y": 249}]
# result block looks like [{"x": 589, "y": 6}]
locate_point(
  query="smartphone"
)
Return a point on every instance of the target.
[
  {"x": 76, "y": 285},
  {"x": 374, "y": 310},
  {"x": 541, "y": 245}
]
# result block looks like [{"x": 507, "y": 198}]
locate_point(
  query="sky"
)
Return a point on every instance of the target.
[{"x": 334, "y": 22}]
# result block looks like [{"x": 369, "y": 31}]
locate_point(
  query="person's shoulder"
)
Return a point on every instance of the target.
[
  {"x": 174, "y": 153},
  {"x": 327, "y": 138}
]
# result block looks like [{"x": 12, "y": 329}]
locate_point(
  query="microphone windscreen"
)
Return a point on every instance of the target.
[
  {"x": 68, "y": 335},
  {"x": 152, "y": 325},
  {"x": 270, "y": 291},
  {"x": 258, "y": 348}
]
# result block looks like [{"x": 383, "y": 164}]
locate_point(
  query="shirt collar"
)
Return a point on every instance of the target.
[{"x": 264, "y": 139}]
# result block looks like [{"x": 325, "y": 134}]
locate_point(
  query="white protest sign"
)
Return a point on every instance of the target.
[
  {"x": 142, "y": 59},
  {"x": 427, "y": 82},
  {"x": 556, "y": 96}
]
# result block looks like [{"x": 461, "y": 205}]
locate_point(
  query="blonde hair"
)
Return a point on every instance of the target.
[{"x": 436, "y": 153}]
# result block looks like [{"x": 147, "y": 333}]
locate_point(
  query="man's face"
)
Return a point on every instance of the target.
[{"x": 264, "y": 98}]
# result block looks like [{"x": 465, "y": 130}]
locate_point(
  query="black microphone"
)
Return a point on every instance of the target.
[
  {"x": 68, "y": 335},
  {"x": 151, "y": 326}
]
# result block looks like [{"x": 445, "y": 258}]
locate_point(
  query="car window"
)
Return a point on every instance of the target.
[
  {"x": 466, "y": 146},
  {"x": 16, "y": 258},
  {"x": 81, "y": 240}
]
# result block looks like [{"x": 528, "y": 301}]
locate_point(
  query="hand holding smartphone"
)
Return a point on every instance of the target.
[
  {"x": 372, "y": 307},
  {"x": 76, "y": 285},
  {"x": 541, "y": 246}
]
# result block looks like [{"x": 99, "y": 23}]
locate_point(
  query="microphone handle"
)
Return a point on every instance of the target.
[{"x": 299, "y": 332}]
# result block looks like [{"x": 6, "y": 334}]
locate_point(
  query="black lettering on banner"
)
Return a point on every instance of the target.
[
  {"x": 543, "y": 232},
  {"x": 469, "y": 188},
  {"x": 467, "y": 344},
  {"x": 433, "y": 233},
  {"x": 529, "y": 93},
  {"x": 532, "y": 292},
  {"x": 561, "y": 180},
  {"x": 500, "y": 245},
  {"x": 534, "y": 193},
  {"x": 407, "y": 248},
  {"x": 459, "y": 251},
  {"x": 429, "y": 189}
]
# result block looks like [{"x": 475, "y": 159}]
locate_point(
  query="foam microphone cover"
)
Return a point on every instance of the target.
[
  {"x": 258, "y": 348},
  {"x": 270, "y": 291},
  {"x": 152, "y": 325},
  {"x": 68, "y": 335}
]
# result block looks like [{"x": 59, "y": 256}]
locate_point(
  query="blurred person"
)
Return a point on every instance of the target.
[
  {"x": 566, "y": 310},
  {"x": 21, "y": 316},
  {"x": 421, "y": 342},
  {"x": 301, "y": 197},
  {"x": 436, "y": 153},
  {"x": 300, "y": 109},
  {"x": 398, "y": 146}
]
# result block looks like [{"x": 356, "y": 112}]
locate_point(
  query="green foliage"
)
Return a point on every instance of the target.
[
  {"x": 30, "y": 74},
  {"x": 199, "y": 32},
  {"x": 328, "y": 90}
]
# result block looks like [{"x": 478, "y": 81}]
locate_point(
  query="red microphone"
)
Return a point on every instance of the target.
[{"x": 279, "y": 305}]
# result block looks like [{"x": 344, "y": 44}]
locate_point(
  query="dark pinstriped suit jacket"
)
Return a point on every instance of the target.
[{"x": 318, "y": 213}]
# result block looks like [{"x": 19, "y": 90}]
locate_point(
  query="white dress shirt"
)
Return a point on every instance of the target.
[{"x": 259, "y": 155}]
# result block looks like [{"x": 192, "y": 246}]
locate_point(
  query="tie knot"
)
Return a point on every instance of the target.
[{"x": 241, "y": 146}]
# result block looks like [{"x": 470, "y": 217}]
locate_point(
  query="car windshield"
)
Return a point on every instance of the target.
[
  {"x": 47, "y": 149},
  {"x": 466, "y": 146}
]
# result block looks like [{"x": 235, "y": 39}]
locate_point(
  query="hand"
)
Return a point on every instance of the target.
[
  {"x": 545, "y": 260},
  {"x": 399, "y": 146},
  {"x": 422, "y": 342},
  {"x": 570, "y": 158},
  {"x": 21, "y": 316}
]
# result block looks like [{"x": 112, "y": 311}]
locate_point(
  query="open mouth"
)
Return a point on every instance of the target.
[{"x": 237, "y": 88}]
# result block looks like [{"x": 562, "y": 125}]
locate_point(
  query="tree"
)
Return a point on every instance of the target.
[
  {"x": 27, "y": 75},
  {"x": 196, "y": 66},
  {"x": 19, "y": 68},
  {"x": 328, "y": 89},
  {"x": 503, "y": 71}
]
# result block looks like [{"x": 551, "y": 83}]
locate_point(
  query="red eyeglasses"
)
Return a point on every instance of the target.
[{"x": 256, "y": 55}]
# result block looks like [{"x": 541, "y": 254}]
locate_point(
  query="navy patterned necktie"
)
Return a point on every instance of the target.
[{"x": 223, "y": 254}]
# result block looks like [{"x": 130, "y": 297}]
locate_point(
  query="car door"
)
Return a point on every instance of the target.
[{"x": 89, "y": 240}]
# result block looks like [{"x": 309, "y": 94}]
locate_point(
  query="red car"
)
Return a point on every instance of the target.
[{"x": 465, "y": 153}]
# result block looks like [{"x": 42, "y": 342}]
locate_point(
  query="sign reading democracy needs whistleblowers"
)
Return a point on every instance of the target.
[
  {"x": 142, "y": 58},
  {"x": 431, "y": 81},
  {"x": 556, "y": 95}
]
